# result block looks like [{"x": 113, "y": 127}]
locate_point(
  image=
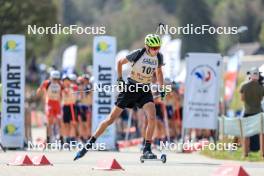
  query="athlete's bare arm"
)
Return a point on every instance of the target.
[
  {"x": 39, "y": 90},
  {"x": 119, "y": 66}
]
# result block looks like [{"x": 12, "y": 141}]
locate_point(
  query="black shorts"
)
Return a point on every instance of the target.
[
  {"x": 131, "y": 99},
  {"x": 83, "y": 111},
  {"x": 69, "y": 113},
  {"x": 159, "y": 113},
  {"x": 169, "y": 111}
]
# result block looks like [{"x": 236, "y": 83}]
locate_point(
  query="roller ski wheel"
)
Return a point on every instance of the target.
[
  {"x": 149, "y": 156},
  {"x": 141, "y": 159},
  {"x": 163, "y": 158}
]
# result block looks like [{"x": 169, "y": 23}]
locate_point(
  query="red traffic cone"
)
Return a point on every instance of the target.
[
  {"x": 41, "y": 160},
  {"x": 108, "y": 164},
  {"x": 21, "y": 160},
  {"x": 230, "y": 170}
]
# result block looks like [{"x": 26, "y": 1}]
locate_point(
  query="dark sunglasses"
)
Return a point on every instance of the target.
[{"x": 154, "y": 48}]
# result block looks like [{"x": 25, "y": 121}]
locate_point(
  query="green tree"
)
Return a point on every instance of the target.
[
  {"x": 197, "y": 13},
  {"x": 15, "y": 16},
  {"x": 261, "y": 35},
  {"x": 134, "y": 23},
  {"x": 239, "y": 13}
]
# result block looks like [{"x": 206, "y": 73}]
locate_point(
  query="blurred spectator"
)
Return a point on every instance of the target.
[
  {"x": 84, "y": 106},
  {"x": 32, "y": 74},
  {"x": 52, "y": 89},
  {"x": 252, "y": 93}
]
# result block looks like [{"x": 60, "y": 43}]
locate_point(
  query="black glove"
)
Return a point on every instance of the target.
[{"x": 120, "y": 81}]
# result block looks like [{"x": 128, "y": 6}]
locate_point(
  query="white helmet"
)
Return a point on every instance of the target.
[
  {"x": 55, "y": 74},
  {"x": 72, "y": 77}
]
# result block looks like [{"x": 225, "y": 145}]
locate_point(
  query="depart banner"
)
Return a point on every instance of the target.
[
  {"x": 104, "y": 53},
  {"x": 13, "y": 87}
]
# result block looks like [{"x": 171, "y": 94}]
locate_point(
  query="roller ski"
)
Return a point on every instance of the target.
[
  {"x": 153, "y": 157},
  {"x": 149, "y": 156}
]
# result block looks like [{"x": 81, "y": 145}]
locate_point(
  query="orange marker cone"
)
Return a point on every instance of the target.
[
  {"x": 230, "y": 170},
  {"x": 41, "y": 160},
  {"x": 108, "y": 164},
  {"x": 21, "y": 160}
]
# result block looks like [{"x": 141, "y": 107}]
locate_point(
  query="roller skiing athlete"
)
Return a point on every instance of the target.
[{"x": 144, "y": 63}]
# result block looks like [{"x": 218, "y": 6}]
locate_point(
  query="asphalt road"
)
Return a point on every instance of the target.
[{"x": 177, "y": 164}]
